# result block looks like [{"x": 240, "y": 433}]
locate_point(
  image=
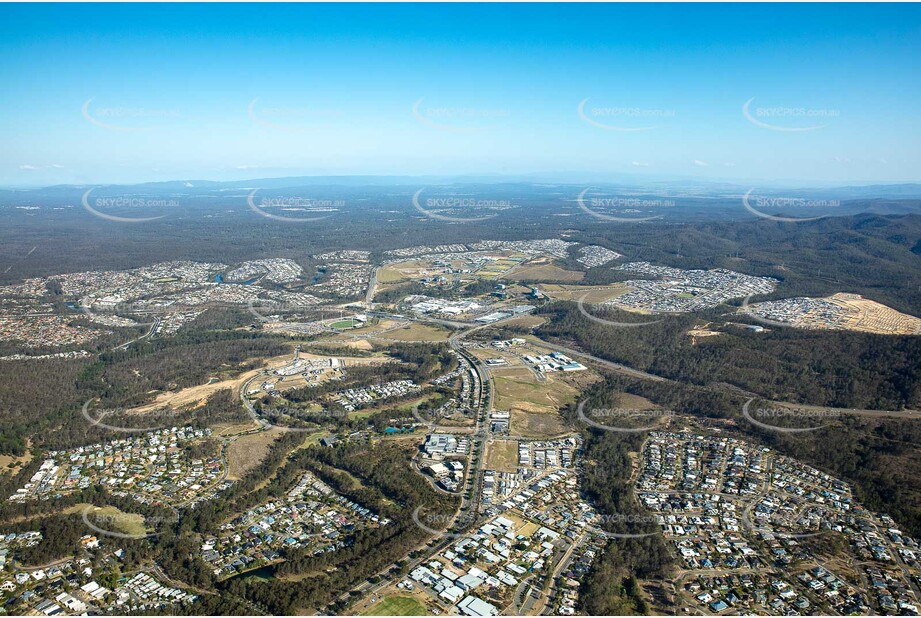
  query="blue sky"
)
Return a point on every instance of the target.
[{"x": 129, "y": 93}]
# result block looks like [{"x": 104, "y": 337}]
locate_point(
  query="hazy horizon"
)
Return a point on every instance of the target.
[{"x": 577, "y": 178}]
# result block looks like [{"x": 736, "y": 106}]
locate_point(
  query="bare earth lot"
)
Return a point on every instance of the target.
[
  {"x": 415, "y": 332},
  {"x": 592, "y": 293},
  {"x": 244, "y": 454},
  {"x": 502, "y": 455},
  {"x": 535, "y": 271}
]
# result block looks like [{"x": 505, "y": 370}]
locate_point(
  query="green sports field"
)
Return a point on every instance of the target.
[
  {"x": 344, "y": 324},
  {"x": 396, "y": 606}
]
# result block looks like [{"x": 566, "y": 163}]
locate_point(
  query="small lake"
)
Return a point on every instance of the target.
[
  {"x": 263, "y": 573},
  {"x": 219, "y": 278}
]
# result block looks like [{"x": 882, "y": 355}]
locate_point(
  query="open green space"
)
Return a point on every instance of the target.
[{"x": 396, "y": 606}]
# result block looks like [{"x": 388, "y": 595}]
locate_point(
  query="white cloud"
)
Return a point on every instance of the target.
[
  {"x": 700, "y": 163},
  {"x": 638, "y": 164},
  {"x": 26, "y": 166}
]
